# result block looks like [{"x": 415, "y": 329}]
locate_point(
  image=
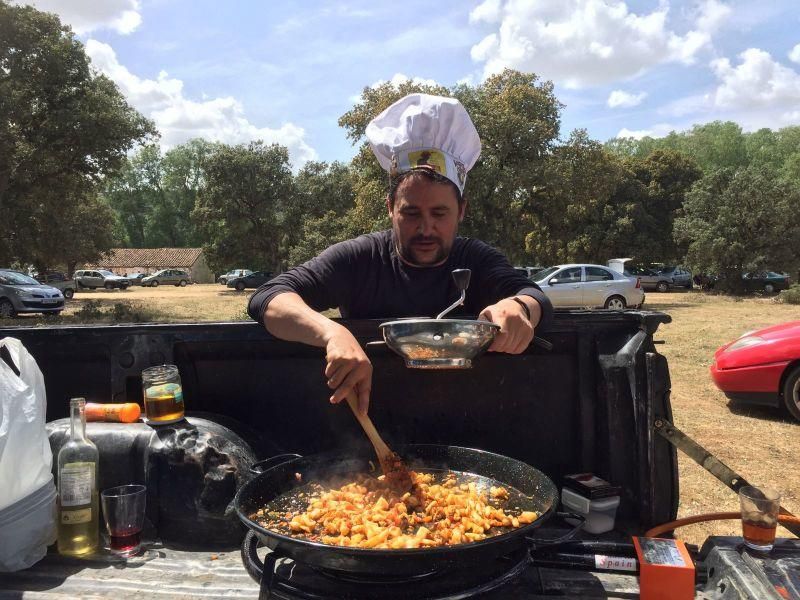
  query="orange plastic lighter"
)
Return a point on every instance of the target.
[{"x": 666, "y": 570}]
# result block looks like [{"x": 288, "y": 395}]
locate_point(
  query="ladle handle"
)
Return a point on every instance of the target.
[{"x": 461, "y": 278}]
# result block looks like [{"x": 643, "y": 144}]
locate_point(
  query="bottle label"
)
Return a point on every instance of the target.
[
  {"x": 77, "y": 483},
  {"x": 74, "y": 517},
  {"x": 166, "y": 390}
]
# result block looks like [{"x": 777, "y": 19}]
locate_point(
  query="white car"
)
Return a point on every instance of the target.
[
  {"x": 594, "y": 286},
  {"x": 223, "y": 279}
]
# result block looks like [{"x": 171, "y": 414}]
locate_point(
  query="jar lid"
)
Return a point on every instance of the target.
[{"x": 591, "y": 486}]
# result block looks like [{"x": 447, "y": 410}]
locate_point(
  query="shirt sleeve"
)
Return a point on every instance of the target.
[
  {"x": 323, "y": 282},
  {"x": 500, "y": 280}
]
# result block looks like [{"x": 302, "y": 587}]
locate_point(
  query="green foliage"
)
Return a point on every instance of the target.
[
  {"x": 316, "y": 218},
  {"x": 62, "y": 129},
  {"x": 724, "y": 199},
  {"x": 720, "y": 145},
  {"x": 153, "y": 196},
  {"x": 239, "y": 212},
  {"x": 790, "y": 296},
  {"x": 737, "y": 221}
]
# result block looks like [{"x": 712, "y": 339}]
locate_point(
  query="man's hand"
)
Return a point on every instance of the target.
[
  {"x": 348, "y": 368},
  {"x": 516, "y": 331}
]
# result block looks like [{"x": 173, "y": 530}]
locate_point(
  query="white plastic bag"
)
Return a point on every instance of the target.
[{"x": 26, "y": 460}]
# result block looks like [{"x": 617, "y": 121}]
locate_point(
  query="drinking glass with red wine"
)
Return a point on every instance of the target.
[{"x": 123, "y": 511}]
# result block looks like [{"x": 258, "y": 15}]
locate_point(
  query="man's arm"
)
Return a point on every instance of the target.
[
  {"x": 289, "y": 318},
  {"x": 498, "y": 279},
  {"x": 516, "y": 329},
  {"x": 288, "y": 306}
]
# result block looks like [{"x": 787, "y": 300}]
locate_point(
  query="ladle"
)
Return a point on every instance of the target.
[
  {"x": 392, "y": 465},
  {"x": 461, "y": 278}
]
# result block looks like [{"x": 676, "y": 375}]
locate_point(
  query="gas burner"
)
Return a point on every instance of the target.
[{"x": 287, "y": 579}]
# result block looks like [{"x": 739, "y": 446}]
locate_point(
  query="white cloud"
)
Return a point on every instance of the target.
[
  {"x": 622, "y": 99},
  {"x": 180, "y": 119},
  {"x": 658, "y": 130},
  {"x": 794, "y": 54},
  {"x": 757, "y": 92},
  {"x": 487, "y": 12},
  {"x": 758, "y": 82},
  {"x": 712, "y": 14},
  {"x": 84, "y": 16},
  {"x": 588, "y": 42},
  {"x": 400, "y": 78}
]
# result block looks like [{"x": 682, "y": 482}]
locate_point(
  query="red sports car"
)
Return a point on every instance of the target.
[{"x": 762, "y": 367}]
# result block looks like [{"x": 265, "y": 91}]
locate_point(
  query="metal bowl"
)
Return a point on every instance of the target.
[{"x": 439, "y": 343}]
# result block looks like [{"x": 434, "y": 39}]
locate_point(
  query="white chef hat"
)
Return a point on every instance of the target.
[{"x": 425, "y": 131}]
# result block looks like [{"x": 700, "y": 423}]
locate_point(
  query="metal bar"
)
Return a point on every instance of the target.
[{"x": 709, "y": 462}]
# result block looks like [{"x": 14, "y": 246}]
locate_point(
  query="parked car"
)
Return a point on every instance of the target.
[
  {"x": 223, "y": 279},
  {"x": 529, "y": 272},
  {"x": 174, "y": 277},
  {"x": 763, "y": 281},
  {"x": 253, "y": 280},
  {"x": 59, "y": 281},
  {"x": 101, "y": 278},
  {"x": 577, "y": 286},
  {"x": 135, "y": 278},
  {"x": 766, "y": 281},
  {"x": 762, "y": 367},
  {"x": 650, "y": 279},
  {"x": 679, "y": 276},
  {"x": 22, "y": 294}
]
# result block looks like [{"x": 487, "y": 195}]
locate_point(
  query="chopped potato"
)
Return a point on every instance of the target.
[{"x": 370, "y": 513}]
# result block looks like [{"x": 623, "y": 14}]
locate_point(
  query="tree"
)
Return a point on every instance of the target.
[
  {"x": 316, "y": 216},
  {"x": 132, "y": 193},
  {"x": 737, "y": 221},
  {"x": 588, "y": 209},
  {"x": 239, "y": 211},
  {"x": 182, "y": 181},
  {"x": 153, "y": 195},
  {"x": 62, "y": 129},
  {"x": 667, "y": 176}
]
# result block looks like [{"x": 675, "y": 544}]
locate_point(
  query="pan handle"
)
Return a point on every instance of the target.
[
  {"x": 538, "y": 543},
  {"x": 252, "y": 564},
  {"x": 273, "y": 461}
]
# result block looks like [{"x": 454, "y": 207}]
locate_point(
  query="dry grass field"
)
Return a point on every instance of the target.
[{"x": 762, "y": 444}]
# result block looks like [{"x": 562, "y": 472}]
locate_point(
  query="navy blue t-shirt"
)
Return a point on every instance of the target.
[{"x": 365, "y": 278}]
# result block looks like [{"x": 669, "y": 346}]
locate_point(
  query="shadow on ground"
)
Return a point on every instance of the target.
[{"x": 765, "y": 413}]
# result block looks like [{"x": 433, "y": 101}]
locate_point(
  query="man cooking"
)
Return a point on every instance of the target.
[{"x": 427, "y": 144}]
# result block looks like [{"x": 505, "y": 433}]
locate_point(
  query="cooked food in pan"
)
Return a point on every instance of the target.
[{"x": 369, "y": 513}]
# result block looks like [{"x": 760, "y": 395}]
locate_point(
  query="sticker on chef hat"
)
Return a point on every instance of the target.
[
  {"x": 462, "y": 172},
  {"x": 432, "y": 159}
]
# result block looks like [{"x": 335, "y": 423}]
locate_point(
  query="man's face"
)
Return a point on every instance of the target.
[{"x": 425, "y": 220}]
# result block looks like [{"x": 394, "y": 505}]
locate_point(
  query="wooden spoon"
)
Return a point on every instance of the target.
[{"x": 392, "y": 465}]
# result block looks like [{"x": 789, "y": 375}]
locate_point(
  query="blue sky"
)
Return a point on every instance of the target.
[{"x": 286, "y": 71}]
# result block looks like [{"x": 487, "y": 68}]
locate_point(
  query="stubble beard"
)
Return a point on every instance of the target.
[{"x": 411, "y": 257}]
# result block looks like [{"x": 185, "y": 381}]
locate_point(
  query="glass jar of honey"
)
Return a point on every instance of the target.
[{"x": 163, "y": 395}]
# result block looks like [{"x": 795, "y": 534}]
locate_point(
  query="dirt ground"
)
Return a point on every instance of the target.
[{"x": 761, "y": 444}]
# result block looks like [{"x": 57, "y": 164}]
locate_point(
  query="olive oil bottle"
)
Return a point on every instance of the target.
[{"x": 77, "y": 488}]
